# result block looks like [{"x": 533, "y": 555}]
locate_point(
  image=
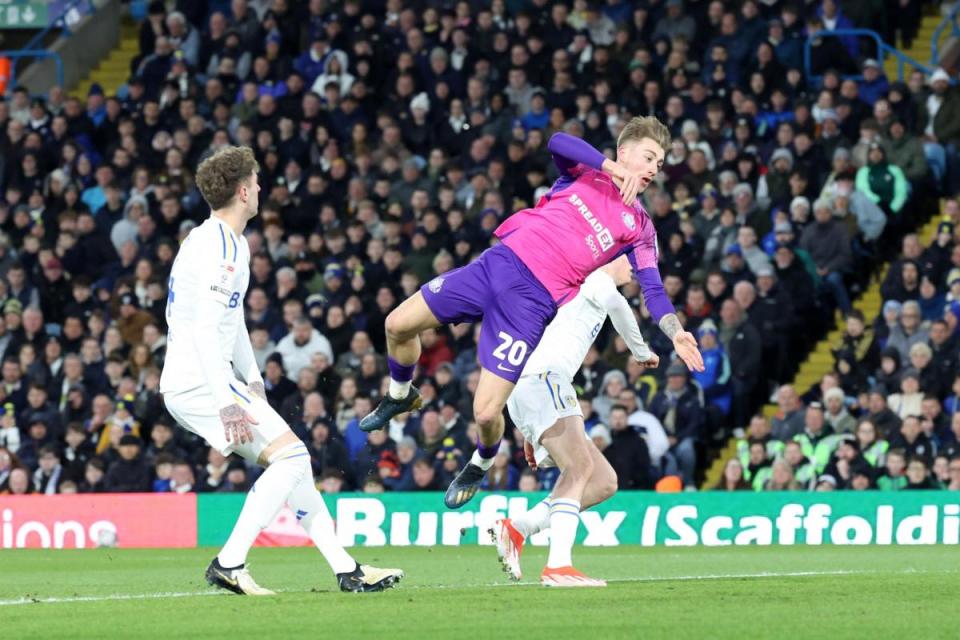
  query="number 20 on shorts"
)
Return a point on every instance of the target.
[{"x": 513, "y": 351}]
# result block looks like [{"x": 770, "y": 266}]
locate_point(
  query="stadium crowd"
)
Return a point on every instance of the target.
[{"x": 393, "y": 137}]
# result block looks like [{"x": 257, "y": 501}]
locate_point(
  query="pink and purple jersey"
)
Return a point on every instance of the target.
[{"x": 583, "y": 224}]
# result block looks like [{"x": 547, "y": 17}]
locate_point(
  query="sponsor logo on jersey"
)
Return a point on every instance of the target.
[
  {"x": 217, "y": 289},
  {"x": 436, "y": 284},
  {"x": 629, "y": 220},
  {"x": 604, "y": 237},
  {"x": 593, "y": 246}
]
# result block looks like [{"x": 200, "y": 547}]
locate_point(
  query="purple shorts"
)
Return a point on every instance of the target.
[{"x": 498, "y": 288}]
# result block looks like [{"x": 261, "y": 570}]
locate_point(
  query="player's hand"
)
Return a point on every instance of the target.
[
  {"x": 627, "y": 182},
  {"x": 686, "y": 347},
  {"x": 629, "y": 189},
  {"x": 257, "y": 389},
  {"x": 236, "y": 424},
  {"x": 528, "y": 455},
  {"x": 650, "y": 363}
]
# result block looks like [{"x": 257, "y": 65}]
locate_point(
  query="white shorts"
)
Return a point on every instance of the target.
[
  {"x": 537, "y": 403},
  {"x": 197, "y": 411}
]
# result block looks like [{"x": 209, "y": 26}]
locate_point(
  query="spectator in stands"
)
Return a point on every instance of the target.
[
  {"x": 678, "y": 408},
  {"x": 827, "y": 242},
  {"x": 627, "y": 453}
]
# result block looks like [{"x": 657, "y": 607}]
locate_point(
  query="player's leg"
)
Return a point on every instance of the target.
[
  {"x": 456, "y": 296},
  {"x": 512, "y": 328},
  {"x": 570, "y": 450},
  {"x": 599, "y": 488},
  {"x": 488, "y": 403},
  {"x": 307, "y": 503},
  {"x": 602, "y": 484},
  {"x": 403, "y": 327}
]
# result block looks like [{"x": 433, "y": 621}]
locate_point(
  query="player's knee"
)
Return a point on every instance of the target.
[
  {"x": 395, "y": 326},
  {"x": 605, "y": 481},
  {"x": 487, "y": 415}
]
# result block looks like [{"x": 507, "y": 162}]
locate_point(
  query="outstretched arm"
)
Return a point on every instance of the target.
[{"x": 660, "y": 307}]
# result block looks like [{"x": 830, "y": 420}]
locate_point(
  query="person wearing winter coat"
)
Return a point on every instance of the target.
[
  {"x": 828, "y": 244},
  {"x": 715, "y": 377},
  {"x": 871, "y": 220},
  {"x": 905, "y": 150},
  {"x": 882, "y": 182}
]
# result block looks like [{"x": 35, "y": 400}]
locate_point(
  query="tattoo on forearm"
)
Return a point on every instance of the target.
[{"x": 670, "y": 325}]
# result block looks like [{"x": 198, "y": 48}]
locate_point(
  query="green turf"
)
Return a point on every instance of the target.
[{"x": 742, "y": 593}]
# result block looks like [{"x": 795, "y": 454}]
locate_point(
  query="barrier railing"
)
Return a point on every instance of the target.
[
  {"x": 883, "y": 50},
  {"x": 36, "y": 49},
  {"x": 950, "y": 21},
  {"x": 37, "y": 54}
]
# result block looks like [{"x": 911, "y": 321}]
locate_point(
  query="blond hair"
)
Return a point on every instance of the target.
[
  {"x": 219, "y": 175},
  {"x": 646, "y": 127}
]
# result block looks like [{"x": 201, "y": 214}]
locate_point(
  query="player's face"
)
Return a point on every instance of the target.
[
  {"x": 644, "y": 158},
  {"x": 250, "y": 195}
]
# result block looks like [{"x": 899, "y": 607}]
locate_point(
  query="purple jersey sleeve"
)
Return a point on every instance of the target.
[
  {"x": 569, "y": 151},
  {"x": 654, "y": 296}
]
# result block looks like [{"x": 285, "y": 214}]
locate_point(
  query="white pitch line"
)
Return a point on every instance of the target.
[{"x": 680, "y": 578}]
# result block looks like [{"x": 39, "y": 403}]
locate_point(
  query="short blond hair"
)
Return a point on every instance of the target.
[
  {"x": 646, "y": 127},
  {"x": 219, "y": 175}
]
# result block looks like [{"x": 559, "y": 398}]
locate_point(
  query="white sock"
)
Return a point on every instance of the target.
[
  {"x": 399, "y": 390},
  {"x": 314, "y": 517},
  {"x": 564, "y": 520},
  {"x": 268, "y": 494},
  {"x": 535, "y": 520},
  {"x": 483, "y": 463}
]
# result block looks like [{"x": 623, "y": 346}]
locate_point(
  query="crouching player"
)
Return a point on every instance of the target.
[{"x": 544, "y": 407}]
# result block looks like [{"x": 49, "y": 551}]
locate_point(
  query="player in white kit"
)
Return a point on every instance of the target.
[
  {"x": 212, "y": 386},
  {"x": 545, "y": 409}
]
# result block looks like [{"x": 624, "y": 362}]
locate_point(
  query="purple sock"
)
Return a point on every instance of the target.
[
  {"x": 400, "y": 372},
  {"x": 487, "y": 452}
]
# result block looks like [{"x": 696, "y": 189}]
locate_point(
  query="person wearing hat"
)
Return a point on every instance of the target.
[
  {"x": 734, "y": 266},
  {"x": 883, "y": 182},
  {"x": 128, "y": 474},
  {"x": 938, "y": 120},
  {"x": 212, "y": 385},
  {"x": 905, "y": 150},
  {"x": 827, "y": 242},
  {"x": 678, "y": 408},
  {"x": 132, "y": 318},
  {"x": 778, "y": 176},
  {"x": 715, "y": 377}
]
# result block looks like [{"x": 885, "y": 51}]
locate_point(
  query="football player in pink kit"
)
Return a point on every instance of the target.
[{"x": 591, "y": 216}]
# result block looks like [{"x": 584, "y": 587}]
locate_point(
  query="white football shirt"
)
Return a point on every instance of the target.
[
  {"x": 568, "y": 337},
  {"x": 213, "y": 264}
]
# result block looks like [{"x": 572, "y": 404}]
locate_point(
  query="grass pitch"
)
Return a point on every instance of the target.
[{"x": 449, "y": 592}]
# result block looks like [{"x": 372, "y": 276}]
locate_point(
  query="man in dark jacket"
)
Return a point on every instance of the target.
[
  {"x": 627, "y": 453},
  {"x": 327, "y": 452},
  {"x": 828, "y": 244},
  {"x": 743, "y": 345},
  {"x": 678, "y": 409},
  {"x": 129, "y": 474}
]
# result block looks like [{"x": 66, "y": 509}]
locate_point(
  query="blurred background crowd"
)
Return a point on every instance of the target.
[{"x": 393, "y": 137}]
